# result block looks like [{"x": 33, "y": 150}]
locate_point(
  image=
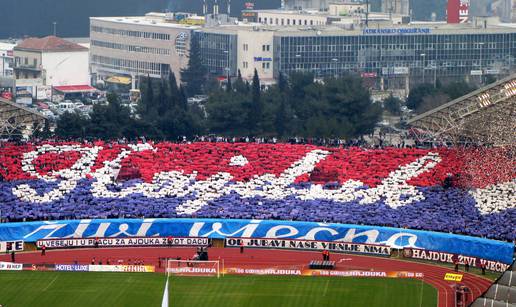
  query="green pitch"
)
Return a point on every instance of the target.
[{"x": 146, "y": 289}]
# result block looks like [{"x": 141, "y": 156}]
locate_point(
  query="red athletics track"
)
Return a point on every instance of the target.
[{"x": 261, "y": 259}]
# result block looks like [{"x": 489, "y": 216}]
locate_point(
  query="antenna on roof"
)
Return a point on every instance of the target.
[
  {"x": 55, "y": 27},
  {"x": 229, "y": 8},
  {"x": 204, "y": 8}
]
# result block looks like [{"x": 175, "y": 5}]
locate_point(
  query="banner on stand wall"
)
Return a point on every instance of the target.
[
  {"x": 336, "y": 247},
  {"x": 122, "y": 242},
  {"x": 221, "y": 229}
]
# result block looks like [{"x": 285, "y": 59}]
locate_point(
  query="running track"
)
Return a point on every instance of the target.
[{"x": 261, "y": 259}]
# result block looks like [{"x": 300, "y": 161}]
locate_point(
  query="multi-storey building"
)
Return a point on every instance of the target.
[
  {"x": 43, "y": 63},
  {"x": 391, "y": 52},
  {"x": 6, "y": 59},
  {"x": 152, "y": 45},
  {"x": 391, "y": 58}
]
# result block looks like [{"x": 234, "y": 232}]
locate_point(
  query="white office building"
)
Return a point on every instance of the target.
[{"x": 150, "y": 45}]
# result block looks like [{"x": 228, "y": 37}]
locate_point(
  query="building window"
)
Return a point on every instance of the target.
[{"x": 246, "y": 47}]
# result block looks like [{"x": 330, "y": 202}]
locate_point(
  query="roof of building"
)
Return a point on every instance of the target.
[
  {"x": 74, "y": 88},
  {"x": 151, "y": 19},
  {"x": 49, "y": 44},
  {"x": 338, "y": 30}
]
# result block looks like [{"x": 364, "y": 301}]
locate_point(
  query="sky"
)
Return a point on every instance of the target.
[{"x": 19, "y": 18}]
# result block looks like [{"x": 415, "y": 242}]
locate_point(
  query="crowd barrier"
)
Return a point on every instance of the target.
[{"x": 221, "y": 229}]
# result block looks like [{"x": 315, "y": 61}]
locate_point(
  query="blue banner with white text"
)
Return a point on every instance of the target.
[{"x": 219, "y": 228}]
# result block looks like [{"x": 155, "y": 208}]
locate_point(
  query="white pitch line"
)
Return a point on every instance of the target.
[
  {"x": 164, "y": 302},
  {"x": 326, "y": 287},
  {"x": 50, "y": 283}
]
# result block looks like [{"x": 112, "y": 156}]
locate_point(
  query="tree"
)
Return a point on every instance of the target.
[
  {"x": 71, "y": 125},
  {"x": 164, "y": 101},
  {"x": 432, "y": 102},
  {"x": 195, "y": 75},
  {"x": 280, "y": 123},
  {"x": 110, "y": 121},
  {"x": 183, "y": 100},
  {"x": 227, "y": 113},
  {"x": 240, "y": 85},
  {"x": 256, "y": 110},
  {"x": 392, "y": 105},
  {"x": 282, "y": 83},
  {"x": 44, "y": 132},
  {"x": 455, "y": 90},
  {"x": 173, "y": 91},
  {"x": 418, "y": 93},
  {"x": 229, "y": 87},
  {"x": 147, "y": 108}
]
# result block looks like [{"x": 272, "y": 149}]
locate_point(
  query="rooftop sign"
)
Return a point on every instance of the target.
[{"x": 397, "y": 31}]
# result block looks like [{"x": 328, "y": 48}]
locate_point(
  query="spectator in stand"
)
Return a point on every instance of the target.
[
  {"x": 241, "y": 246},
  {"x": 43, "y": 250}
]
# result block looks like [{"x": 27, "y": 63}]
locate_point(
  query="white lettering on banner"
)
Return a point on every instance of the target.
[
  {"x": 397, "y": 31},
  {"x": 393, "y": 190},
  {"x": 192, "y": 270},
  {"x": 412, "y": 238},
  {"x": 247, "y": 230},
  {"x": 310, "y": 245},
  {"x": 273, "y": 232},
  {"x": 122, "y": 268},
  {"x": 9, "y": 266},
  {"x": 450, "y": 258},
  {"x": 312, "y": 233},
  {"x": 48, "y": 230},
  {"x": 71, "y": 267},
  {"x": 263, "y": 271},
  {"x": 118, "y": 242},
  {"x": 11, "y": 246}
]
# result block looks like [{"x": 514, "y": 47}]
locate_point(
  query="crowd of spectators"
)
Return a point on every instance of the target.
[{"x": 470, "y": 191}]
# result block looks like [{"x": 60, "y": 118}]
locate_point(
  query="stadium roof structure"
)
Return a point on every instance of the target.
[
  {"x": 486, "y": 116},
  {"x": 16, "y": 119}
]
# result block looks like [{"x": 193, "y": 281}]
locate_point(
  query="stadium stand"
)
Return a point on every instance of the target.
[
  {"x": 485, "y": 116},
  {"x": 502, "y": 293},
  {"x": 15, "y": 119},
  {"x": 468, "y": 191}
]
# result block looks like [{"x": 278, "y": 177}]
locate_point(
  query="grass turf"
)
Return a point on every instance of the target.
[{"x": 143, "y": 289}]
